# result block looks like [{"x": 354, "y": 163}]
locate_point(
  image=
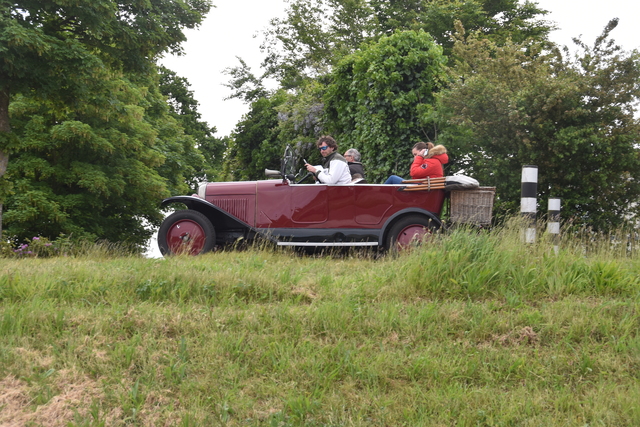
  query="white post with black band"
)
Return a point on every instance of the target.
[
  {"x": 529, "y": 191},
  {"x": 553, "y": 221}
]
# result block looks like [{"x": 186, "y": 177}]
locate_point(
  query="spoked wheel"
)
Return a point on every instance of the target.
[
  {"x": 186, "y": 232},
  {"x": 410, "y": 231}
]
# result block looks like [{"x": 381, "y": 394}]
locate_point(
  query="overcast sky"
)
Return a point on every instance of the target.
[{"x": 233, "y": 29}]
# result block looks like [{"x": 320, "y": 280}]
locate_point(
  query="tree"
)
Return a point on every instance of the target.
[
  {"x": 90, "y": 171},
  {"x": 273, "y": 123},
  {"x": 575, "y": 119},
  {"x": 244, "y": 84},
  {"x": 380, "y": 99},
  {"x": 316, "y": 34},
  {"x": 313, "y": 36},
  {"x": 255, "y": 141},
  {"x": 54, "y": 51},
  {"x": 308, "y": 44},
  {"x": 497, "y": 20}
]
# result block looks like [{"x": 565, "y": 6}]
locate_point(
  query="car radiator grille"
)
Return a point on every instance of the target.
[{"x": 236, "y": 207}]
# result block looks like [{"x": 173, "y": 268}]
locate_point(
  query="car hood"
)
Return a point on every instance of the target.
[
  {"x": 227, "y": 189},
  {"x": 244, "y": 188}
]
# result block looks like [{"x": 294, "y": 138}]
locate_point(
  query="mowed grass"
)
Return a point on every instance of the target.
[{"x": 474, "y": 329}]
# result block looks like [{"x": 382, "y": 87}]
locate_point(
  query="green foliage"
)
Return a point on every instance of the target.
[
  {"x": 380, "y": 99},
  {"x": 38, "y": 39},
  {"x": 301, "y": 121},
  {"x": 91, "y": 171},
  {"x": 93, "y": 144},
  {"x": 255, "y": 145},
  {"x": 275, "y": 122},
  {"x": 313, "y": 36},
  {"x": 515, "y": 105},
  {"x": 55, "y": 48},
  {"x": 244, "y": 83},
  {"x": 496, "y": 20},
  {"x": 316, "y": 34}
]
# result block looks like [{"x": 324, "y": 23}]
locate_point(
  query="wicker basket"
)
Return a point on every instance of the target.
[{"x": 472, "y": 206}]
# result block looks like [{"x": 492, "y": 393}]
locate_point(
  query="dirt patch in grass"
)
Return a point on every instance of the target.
[
  {"x": 75, "y": 397},
  {"x": 305, "y": 292},
  {"x": 525, "y": 336}
]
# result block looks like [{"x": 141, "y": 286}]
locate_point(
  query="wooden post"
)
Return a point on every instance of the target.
[{"x": 529, "y": 191}]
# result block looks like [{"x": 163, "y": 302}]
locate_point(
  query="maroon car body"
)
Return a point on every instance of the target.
[{"x": 290, "y": 214}]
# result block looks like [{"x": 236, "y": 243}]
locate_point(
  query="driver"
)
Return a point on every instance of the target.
[{"x": 336, "y": 169}]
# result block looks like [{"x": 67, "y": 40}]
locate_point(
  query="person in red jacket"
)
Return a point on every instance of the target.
[{"x": 428, "y": 162}]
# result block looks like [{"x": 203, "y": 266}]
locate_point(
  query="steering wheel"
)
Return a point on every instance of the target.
[{"x": 307, "y": 175}]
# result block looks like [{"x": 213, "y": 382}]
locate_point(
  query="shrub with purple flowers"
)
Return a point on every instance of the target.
[{"x": 37, "y": 246}]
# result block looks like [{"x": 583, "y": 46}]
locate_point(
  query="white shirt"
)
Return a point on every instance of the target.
[{"x": 337, "y": 173}]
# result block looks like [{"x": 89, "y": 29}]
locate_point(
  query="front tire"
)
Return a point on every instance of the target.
[
  {"x": 409, "y": 231},
  {"x": 186, "y": 232}
]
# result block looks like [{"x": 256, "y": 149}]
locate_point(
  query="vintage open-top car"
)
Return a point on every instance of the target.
[{"x": 289, "y": 212}]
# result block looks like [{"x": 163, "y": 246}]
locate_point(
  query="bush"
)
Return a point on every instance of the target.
[{"x": 36, "y": 247}]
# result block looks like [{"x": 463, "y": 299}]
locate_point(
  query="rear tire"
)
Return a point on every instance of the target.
[
  {"x": 186, "y": 232},
  {"x": 410, "y": 231}
]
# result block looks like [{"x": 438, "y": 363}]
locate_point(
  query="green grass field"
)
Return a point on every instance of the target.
[{"x": 474, "y": 329}]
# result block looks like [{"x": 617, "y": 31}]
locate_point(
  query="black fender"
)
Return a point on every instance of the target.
[{"x": 409, "y": 211}]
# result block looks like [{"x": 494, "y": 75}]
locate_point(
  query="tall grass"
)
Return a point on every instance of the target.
[{"x": 474, "y": 328}]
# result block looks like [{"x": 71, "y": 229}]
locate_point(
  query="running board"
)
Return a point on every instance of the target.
[{"x": 327, "y": 243}]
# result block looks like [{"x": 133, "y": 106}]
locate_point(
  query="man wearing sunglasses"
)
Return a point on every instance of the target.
[{"x": 336, "y": 169}]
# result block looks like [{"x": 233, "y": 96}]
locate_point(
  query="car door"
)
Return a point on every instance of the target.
[
  {"x": 308, "y": 203},
  {"x": 372, "y": 202}
]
